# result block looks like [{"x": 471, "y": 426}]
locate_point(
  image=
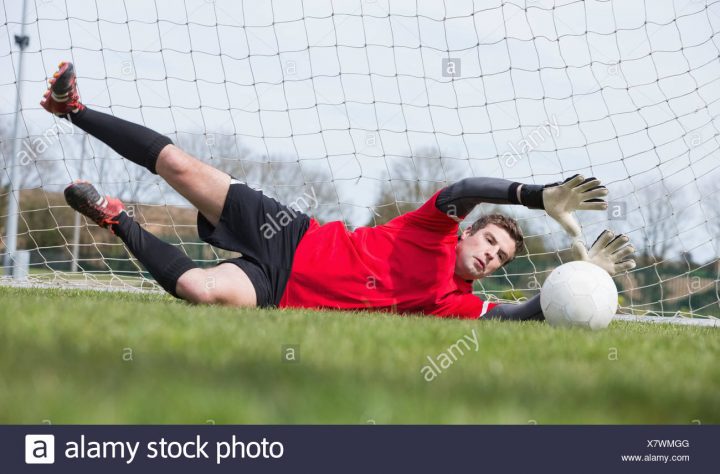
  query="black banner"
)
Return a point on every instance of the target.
[{"x": 362, "y": 449}]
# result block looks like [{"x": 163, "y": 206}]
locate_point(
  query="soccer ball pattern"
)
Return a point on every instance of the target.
[{"x": 579, "y": 294}]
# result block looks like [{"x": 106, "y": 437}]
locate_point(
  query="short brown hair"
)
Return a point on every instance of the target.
[{"x": 504, "y": 222}]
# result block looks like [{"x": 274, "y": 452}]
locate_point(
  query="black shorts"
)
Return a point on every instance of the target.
[{"x": 264, "y": 231}]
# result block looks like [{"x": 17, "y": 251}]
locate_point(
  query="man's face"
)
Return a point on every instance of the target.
[{"x": 482, "y": 253}]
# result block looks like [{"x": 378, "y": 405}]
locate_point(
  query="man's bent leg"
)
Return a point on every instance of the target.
[
  {"x": 172, "y": 269},
  {"x": 225, "y": 284}
]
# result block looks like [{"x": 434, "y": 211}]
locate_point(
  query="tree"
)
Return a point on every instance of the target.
[
  {"x": 653, "y": 217},
  {"x": 411, "y": 182}
]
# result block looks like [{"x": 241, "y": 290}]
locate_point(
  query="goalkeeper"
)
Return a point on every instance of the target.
[{"x": 415, "y": 263}]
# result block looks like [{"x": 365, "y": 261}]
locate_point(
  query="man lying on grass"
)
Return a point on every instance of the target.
[{"x": 415, "y": 263}]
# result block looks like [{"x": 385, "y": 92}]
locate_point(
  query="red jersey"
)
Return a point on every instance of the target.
[{"x": 404, "y": 266}]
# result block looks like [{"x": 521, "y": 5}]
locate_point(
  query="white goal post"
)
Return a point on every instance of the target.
[{"x": 370, "y": 106}]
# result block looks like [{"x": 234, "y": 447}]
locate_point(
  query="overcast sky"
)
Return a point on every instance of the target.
[{"x": 624, "y": 90}]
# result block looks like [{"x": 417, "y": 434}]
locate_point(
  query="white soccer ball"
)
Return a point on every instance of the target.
[{"x": 579, "y": 294}]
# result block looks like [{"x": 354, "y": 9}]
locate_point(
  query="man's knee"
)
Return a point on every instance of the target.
[
  {"x": 173, "y": 161},
  {"x": 190, "y": 288}
]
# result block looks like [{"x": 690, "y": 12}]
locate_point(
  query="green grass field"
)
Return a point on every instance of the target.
[{"x": 92, "y": 357}]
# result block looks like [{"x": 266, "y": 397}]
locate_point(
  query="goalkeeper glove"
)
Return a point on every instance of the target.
[
  {"x": 560, "y": 200},
  {"x": 614, "y": 254}
]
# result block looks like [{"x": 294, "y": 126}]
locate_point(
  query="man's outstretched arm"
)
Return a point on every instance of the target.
[
  {"x": 559, "y": 200},
  {"x": 460, "y": 198},
  {"x": 529, "y": 310}
]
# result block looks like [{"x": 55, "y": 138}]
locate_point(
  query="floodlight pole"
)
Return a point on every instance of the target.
[{"x": 14, "y": 196}]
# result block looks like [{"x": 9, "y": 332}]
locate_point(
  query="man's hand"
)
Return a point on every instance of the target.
[
  {"x": 614, "y": 254},
  {"x": 560, "y": 200}
]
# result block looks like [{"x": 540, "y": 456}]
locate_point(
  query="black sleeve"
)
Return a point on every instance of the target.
[
  {"x": 460, "y": 198},
  {"x": 530, "y": 310}
]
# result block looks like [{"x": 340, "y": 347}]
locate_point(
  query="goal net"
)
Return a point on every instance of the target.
[{"x": 366, "y": 108}]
